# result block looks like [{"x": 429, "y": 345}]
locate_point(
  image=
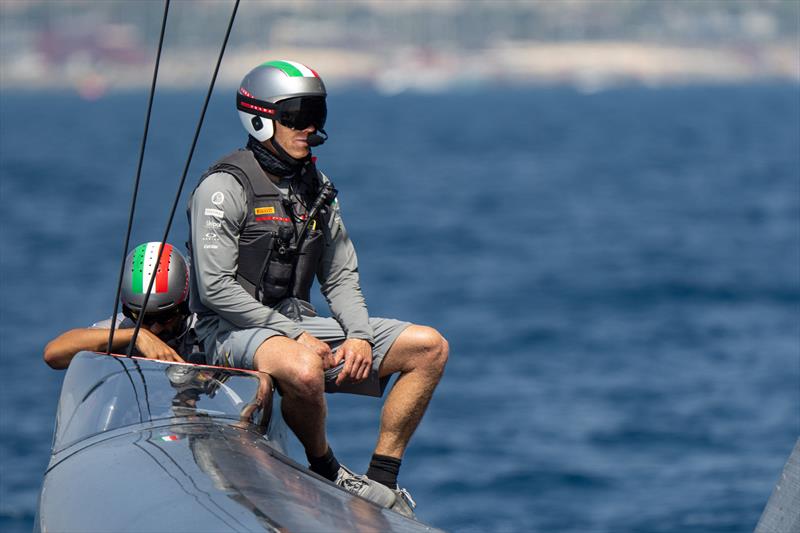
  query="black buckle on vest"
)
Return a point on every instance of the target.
[{"x": 284, "y": 240}]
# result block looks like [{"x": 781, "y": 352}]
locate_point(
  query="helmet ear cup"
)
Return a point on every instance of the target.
[{"x": 250, "y": 121}]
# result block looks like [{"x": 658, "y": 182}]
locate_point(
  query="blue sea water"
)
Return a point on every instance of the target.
[{"x": 618, "y": 275}]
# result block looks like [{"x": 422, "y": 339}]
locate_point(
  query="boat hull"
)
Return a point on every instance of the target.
[{"x": 147, "y": 446}]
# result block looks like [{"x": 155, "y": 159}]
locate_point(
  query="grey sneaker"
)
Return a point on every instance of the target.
[
  {"x": 404, "y": 504},
  {"x": 365, "y": 487}
]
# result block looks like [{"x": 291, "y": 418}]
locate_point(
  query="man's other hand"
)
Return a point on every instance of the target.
[
  {"x": 357, "y": 355},
  {"x": 318, "y": 347},
  {"x": 151, "y": 347}
]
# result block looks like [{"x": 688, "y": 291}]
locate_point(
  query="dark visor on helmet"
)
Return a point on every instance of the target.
[
  {"x": 297, "y": 113},
  {"x": 302, "y": 112}
]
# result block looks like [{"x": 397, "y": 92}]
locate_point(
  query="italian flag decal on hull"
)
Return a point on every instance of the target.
[
  {"x": 293, "y": 69},
  {"x": 144, "y": 260}
]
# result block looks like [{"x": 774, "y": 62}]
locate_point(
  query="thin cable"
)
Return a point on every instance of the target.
[
  {"x": 183, "y": 179},
  {"x": 138, "y": 177}
]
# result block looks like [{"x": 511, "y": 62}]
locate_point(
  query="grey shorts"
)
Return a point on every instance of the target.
[{"x": 234, "y": 347}]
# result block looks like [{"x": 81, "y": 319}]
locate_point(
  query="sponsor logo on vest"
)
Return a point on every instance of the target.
[
  {"x": 214, "y": 212},
  {"x": 211, "y": 224},
  {"x": 273, "y": 217},
  {"x": 265, "y": 210},
  {"x": 217, "y": 198}
]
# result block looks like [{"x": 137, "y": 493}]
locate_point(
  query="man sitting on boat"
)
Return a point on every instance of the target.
[
  {"x": 167, "y": 327},
  {"x": 264, "y": 222}
]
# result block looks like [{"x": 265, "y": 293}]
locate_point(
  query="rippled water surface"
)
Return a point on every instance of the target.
[{"x": 618, "y": 275}]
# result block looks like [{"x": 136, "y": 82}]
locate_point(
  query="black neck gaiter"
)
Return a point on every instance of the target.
[{"x": 282, "y": 165}]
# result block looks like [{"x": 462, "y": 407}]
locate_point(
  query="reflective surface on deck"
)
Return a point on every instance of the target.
[
  {"x": 148, "y": 446},
  {"x": 102, "y": 393}
]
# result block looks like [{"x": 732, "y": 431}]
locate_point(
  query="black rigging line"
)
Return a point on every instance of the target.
[
  {"x": 138, "y": 176},
  {"x": 183, "y": 178}
]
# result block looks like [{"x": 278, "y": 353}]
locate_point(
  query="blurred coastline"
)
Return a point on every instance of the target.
[{"x": 95, "y": 47}]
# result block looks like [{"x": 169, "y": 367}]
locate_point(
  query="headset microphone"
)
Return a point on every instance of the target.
[{"x": 315, "y": 139}]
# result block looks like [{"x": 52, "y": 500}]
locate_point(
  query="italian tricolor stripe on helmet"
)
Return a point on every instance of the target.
[
  {"x": 144, "y": 259},
  {"x": 292, "y": 69}
]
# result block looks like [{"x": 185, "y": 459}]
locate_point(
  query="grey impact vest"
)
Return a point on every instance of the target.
[{"x": 269, "y": 268}]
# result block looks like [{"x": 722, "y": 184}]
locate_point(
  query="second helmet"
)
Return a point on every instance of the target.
[{"x": 171, "y": 286}]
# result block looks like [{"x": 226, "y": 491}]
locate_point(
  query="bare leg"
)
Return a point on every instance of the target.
[
  {"x": 299, "y": 373},
  {"x": 300, "y": 376},
  {"x": 419, "y": 354}
]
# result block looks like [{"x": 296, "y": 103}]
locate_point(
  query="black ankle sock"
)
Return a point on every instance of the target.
[
  {"x": 384, "y": 470},
  {"x": 326, "y": 466}
]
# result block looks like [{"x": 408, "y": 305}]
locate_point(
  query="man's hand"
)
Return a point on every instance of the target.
[
  {"x": 318, "y": 347},
  {"x": 151, "y": 347},
  {"x": 357, "y": 355}
]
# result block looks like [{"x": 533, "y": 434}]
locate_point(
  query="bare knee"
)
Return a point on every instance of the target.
[
  {"x": 444, "y": 354},
  {"x": 307, "y": 380},
  {"x": 433, "y": 348},
  {"x": 297, "y": 369},
  {"x": 440, "y": 354}
]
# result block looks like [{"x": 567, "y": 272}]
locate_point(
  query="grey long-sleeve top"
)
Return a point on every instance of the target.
[{"x": 218, "y": 209}]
